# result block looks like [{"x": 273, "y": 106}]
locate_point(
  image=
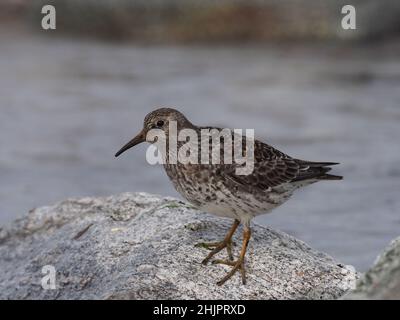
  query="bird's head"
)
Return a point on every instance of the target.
[{"x": 157, "y": 119}]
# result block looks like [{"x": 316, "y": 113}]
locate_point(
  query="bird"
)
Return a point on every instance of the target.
[{"x": 218, "y": 189}]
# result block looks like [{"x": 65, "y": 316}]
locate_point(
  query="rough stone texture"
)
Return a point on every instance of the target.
[
  {"x": 382, "y": 281},
  {"x": 141, "y": 246}
]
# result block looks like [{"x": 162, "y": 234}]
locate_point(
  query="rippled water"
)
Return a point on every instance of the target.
[{"x": 67, "y": 106}]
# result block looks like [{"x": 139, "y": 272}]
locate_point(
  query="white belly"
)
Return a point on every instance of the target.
[{"x": 243, "y": 208}]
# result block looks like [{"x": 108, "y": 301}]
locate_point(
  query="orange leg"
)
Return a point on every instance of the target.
[
  {"x": 216, "y": 247},
  {"x": 239, "y": 263}
]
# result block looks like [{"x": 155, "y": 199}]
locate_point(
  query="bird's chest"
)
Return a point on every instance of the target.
[
  {"x": 194, "y": 182},
  {"x": 203, "y": 187}
]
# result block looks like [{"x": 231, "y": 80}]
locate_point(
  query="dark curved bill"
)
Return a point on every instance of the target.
[{"x": 141, "y": 137}]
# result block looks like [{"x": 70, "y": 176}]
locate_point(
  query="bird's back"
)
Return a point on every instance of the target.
[{"x": 217, "y": 188}]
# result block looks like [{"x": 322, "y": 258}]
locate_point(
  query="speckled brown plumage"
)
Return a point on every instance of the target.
[{"x": 217, "y": 189}]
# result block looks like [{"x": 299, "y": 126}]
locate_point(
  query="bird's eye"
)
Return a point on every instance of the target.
[{"x": 160, "y": 123}]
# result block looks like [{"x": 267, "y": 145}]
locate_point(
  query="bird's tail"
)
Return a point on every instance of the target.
[
  {"x": 330, "y": 177},
  {"x": 316, "y": 170}
]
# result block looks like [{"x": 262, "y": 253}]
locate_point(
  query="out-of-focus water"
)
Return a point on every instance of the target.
[{"x": 67, "y": 106}]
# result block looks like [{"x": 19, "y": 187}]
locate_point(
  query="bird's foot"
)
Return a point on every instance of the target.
[
  {"x": 236, "y": 265},
  {"x": 216, "y": 247}
]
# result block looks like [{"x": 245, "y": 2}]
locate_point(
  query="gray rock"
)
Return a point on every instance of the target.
[
  {"x": 382, "y": 281},
  {"x": 141, "y": 246}
]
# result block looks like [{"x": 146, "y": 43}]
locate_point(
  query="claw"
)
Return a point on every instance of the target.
[
  {"x": 216, "y": 247},
  {"x": 226, "y": 262},
  {"x": 237, "y": 265},
  {"x": 213, "y": 245},
  {"x": 207, "y": 245}
]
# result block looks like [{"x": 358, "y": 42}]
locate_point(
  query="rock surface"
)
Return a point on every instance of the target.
[
  {"x": 382, "y": 281},
  {"x": 141, "y": 246}
]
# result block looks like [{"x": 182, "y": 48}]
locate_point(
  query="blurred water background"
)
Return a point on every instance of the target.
[{"x": 70, "y": 98}]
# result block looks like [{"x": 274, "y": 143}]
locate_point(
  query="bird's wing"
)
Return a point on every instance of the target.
[{"x": 273, "y": 168}]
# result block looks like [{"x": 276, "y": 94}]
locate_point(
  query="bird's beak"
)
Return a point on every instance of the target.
[{"x": 141, "y": 137}]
